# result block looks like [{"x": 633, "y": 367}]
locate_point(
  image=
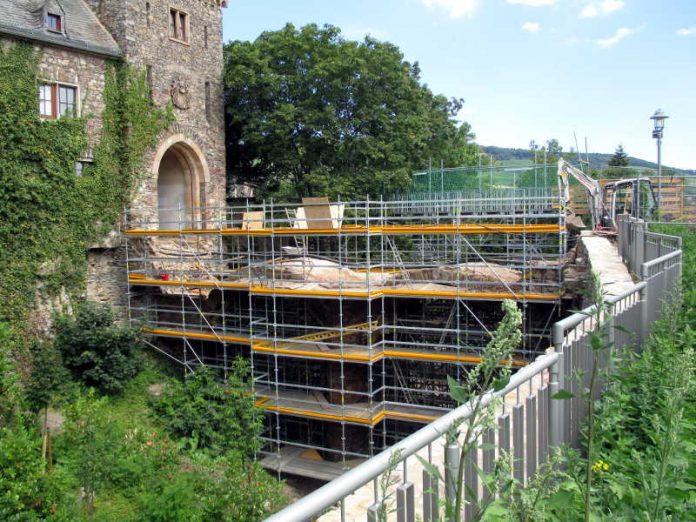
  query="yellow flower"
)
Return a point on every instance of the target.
[{"x": 600, "y": 466}]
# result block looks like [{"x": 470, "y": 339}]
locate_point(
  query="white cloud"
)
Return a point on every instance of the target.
[
  {"x": 454, "y": 8},
  {"x": 589, "y": 11},
  {"x": 532, "y": 3},
  {"x": 619, "y": 35},
  {"x": 604, "y": 7},
  {"x": 687, "y": 31},
  {"x": 531, "y": 27},
  {"x": 609, "y": 6}
]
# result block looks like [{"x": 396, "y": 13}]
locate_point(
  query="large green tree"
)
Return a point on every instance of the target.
[{"x": 311, "y": 113}]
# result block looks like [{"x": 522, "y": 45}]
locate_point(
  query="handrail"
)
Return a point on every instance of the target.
[
  {"x": 578, "y": 317},
  {"x": 325, "y": 497},
  {"x": 666, "y": 257}
]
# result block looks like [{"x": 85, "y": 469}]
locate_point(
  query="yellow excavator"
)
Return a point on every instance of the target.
[{"x": 633, "y": 196}]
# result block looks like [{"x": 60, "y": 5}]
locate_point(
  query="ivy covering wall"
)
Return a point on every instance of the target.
[{"x": 49, "y": 215}]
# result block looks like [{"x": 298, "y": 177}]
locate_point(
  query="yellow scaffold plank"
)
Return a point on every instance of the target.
[
  {"x": 266, "y": 347},
  {"x": 377, "y": 356},
  {"x": 428, "y": 229},
  {"x": 368, "y": 421},
  {"x": 355, "y": 294},
  {"x": 188, "y": 334},
  {"x": 228, "y": 285},
  {"x": 402, "y": 292}
]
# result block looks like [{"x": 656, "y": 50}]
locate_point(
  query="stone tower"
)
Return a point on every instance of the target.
[{"x": 179, "y": 44}]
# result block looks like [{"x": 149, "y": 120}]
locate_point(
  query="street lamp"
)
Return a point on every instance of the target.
[{"x": 659, "y": 119}]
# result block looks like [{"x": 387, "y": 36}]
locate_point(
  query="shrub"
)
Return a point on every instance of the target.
[
  {"x": 25, "y": 491},
  {"x": 48, "y": 376},
  {"x": 97, "y": 351},
  {"x": 228, "y": 488},
  {"x": 212, "y": 415},
  {"x": 10, "y": 393}
]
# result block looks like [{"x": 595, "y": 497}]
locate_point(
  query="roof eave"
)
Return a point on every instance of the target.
[{"x": 33, "y": 36}]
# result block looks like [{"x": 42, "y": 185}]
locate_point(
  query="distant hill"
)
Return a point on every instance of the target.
[{"x": 598, "y": 160}]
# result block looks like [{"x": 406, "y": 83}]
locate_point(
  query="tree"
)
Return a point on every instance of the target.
[
  {"x": 619, "y": 159},
  {"x": 554, "y": 151},
  {"x": 311, "y": 113},
  {"x": 98, "y": 351},
  {"x": 211, "y": 415}
]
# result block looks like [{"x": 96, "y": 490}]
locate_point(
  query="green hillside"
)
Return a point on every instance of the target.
[{"x": 511, "y": 157}]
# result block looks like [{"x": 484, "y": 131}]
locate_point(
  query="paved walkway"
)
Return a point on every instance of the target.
[{"x": 604, "y": 259}]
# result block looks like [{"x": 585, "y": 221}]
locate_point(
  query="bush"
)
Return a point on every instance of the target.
[
  {"x": 10, "y": 393},
  {"x": 229, "y": 488},
  {"x": 26, "y": 493},
  {"x": 211, "y": 415},
  {"x": 97, "y": 351},
  {"x": 48, "y": 376}
]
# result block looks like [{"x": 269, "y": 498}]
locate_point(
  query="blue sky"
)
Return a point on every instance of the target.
[{"x": 531, "y": 69}]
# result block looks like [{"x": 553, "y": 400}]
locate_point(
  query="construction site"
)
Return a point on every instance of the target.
[{"x": 352, "y": 313}]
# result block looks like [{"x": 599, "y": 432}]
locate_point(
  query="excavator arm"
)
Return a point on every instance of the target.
[{"x": 565, "y": 171}]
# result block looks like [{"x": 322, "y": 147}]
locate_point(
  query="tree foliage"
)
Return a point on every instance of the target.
[
  {"x": 619, "y": 159},
  {"x": 219, "y": 417},
  {"x": 311, "y": 113},
  {"x": 99, "y": 352},
  {"x": 48, "y": 376}
]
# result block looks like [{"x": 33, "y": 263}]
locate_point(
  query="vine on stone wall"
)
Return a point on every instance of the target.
[{"x": 49, "y": 215}]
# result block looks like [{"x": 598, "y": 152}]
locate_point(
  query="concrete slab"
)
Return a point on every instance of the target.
[{"x": 604, "y": 259}]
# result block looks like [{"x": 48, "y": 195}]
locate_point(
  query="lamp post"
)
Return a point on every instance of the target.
[{"x": 659, "y": 119}]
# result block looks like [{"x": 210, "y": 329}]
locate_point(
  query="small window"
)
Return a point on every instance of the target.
[
  {"x": 178, "y": 25},
  {"x": 67, "y": 105},
  {"x": 46, "y": 101},
  {"x": 207, "y": 101},
  {"x": 205, "y": 36},
  {"x": 54, "y": 23},
  {"x": 56, "y": 100},
  {"x": 147, "y": 13}
]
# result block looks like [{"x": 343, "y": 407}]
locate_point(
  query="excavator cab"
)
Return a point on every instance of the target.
[{"x": 632, "y": 197}]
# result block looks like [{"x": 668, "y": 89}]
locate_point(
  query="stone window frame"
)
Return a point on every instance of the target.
[
  {"x": 174, "y": 16},
  {"x": 55, "y": 101}
]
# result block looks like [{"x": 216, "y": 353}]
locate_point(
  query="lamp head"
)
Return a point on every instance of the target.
[{"x": 659, "y": 118}]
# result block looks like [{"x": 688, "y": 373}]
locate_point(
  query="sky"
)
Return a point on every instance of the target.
[{"x": 531, "y": 69}]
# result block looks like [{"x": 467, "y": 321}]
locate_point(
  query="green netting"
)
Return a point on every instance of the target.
[{"x": 484, "y": 178}]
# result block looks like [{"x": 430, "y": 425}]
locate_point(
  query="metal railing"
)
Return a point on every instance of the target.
[
  {"x": 637, "y": 245},
  {"x": 528, "y": 423}
]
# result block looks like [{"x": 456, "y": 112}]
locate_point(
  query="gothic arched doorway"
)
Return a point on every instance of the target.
[{"x": 179, "y": 178}]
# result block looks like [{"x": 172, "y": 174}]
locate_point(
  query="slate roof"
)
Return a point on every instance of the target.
[{"x": 82, "y": 29}]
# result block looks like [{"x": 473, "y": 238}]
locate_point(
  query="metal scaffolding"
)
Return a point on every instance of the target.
[{"x": 352, "y": 313}]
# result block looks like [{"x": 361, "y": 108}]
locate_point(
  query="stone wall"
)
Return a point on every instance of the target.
[
  {"x": 106, "y": 277},
  {"x": 141, "y": 28},
  {"x": 178, "y": 73}
]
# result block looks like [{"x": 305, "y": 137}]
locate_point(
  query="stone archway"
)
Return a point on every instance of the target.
[{"x": 182, "y": 175}]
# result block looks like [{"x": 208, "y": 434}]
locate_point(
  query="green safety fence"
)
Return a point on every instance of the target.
[{"x": 484, "y": 178}]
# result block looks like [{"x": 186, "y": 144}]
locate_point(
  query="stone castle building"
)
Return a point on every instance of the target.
[{"x": 179, "y": 44}]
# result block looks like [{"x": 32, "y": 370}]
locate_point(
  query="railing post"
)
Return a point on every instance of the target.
[
  {"x": 611, "y": 338},
  {"x": 451, "y": 474},
  {"x": 557, "y": 382},
  {"x": 644, "y": 307}
]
